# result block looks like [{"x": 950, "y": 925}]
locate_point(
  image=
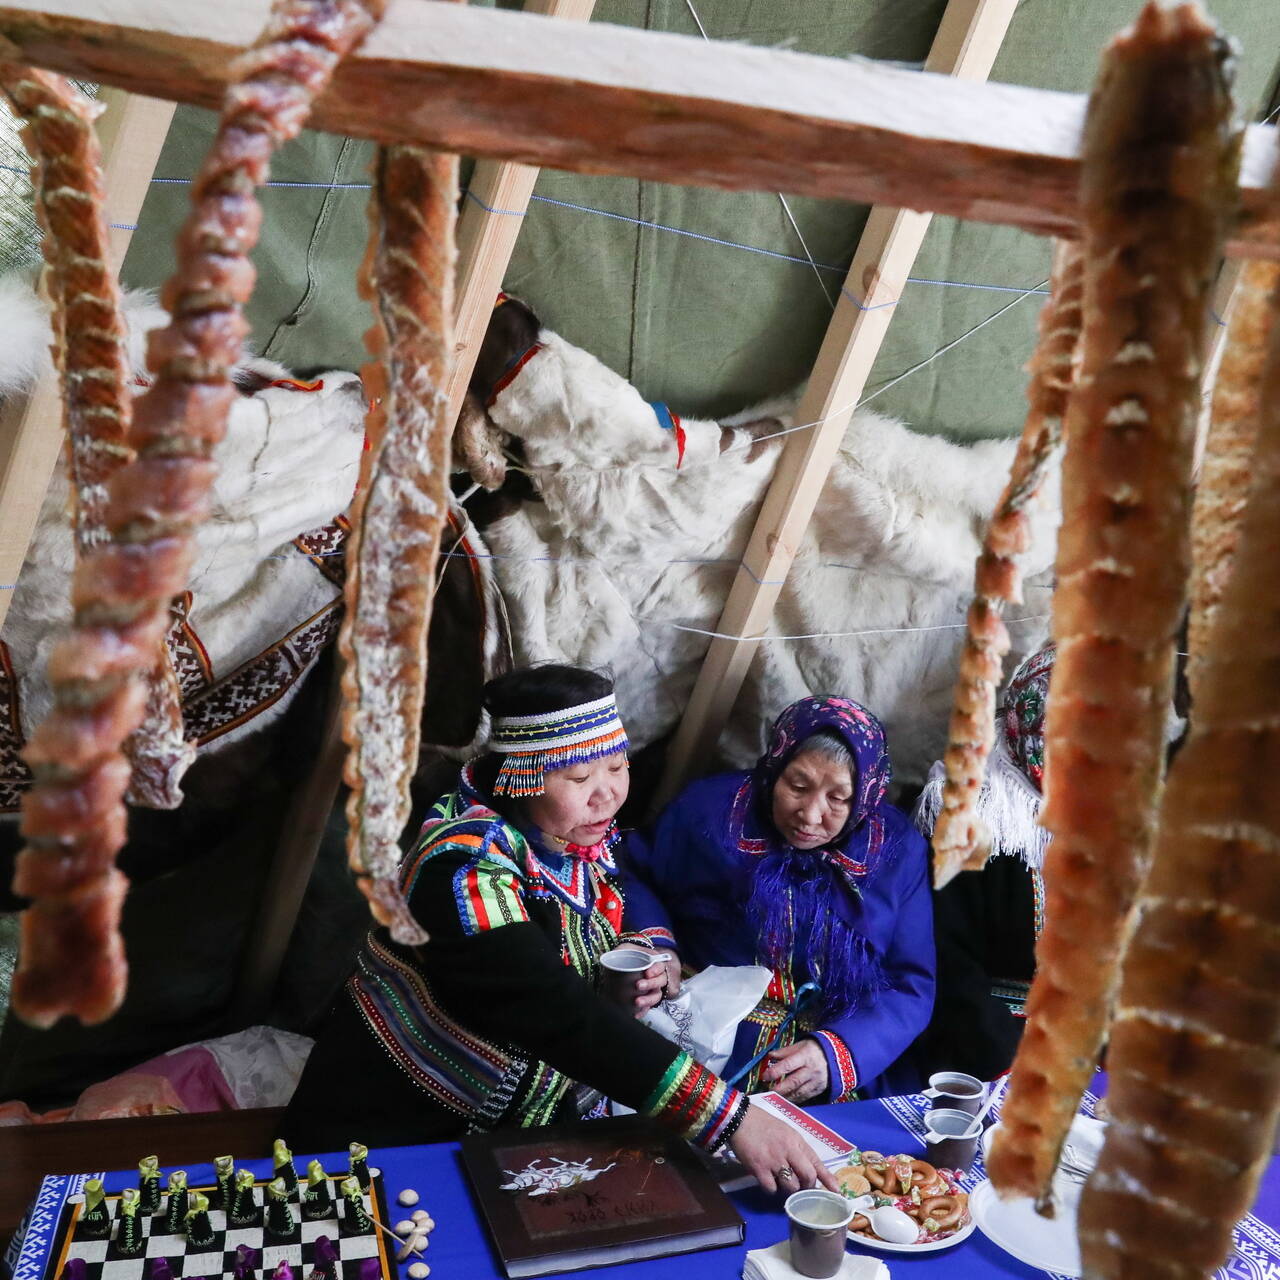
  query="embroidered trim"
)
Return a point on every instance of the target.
[
  {"x": 534, "y": 745},
  {"x": 655, "y": 937},
  {"x": 694, "y": 1102},
  {"x": 844, "y": 1084}
]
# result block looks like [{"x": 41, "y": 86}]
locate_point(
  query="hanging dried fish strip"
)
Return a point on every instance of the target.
[
  {"x": 1157, "y": 185},
  {"x": 73, "y": 816},
  {"x": 1228, "y": 460},
  {"x": 72, "y": 959},
  {"x": 960, "y": 842},
  {"x": 1194, "y": 1068},
  {"x": 399, "y": 513}
]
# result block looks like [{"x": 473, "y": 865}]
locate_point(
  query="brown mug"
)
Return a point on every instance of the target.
[{"x": 819, "y": 1222}]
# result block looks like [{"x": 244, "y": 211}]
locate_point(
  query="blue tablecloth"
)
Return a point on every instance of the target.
[{"x": 460, "y": 1248}]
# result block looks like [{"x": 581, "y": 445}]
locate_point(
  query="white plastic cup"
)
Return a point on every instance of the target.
[{"x": 624, "y": 966}]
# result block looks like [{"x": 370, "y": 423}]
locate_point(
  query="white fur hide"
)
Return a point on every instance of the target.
[
  {"x": 261, "y": 609},
  {"x": 599, "y": 572}
]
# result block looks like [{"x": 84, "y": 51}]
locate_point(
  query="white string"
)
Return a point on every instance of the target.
[
  {"x": 893, "y": 382},
  {"x": 826, "y": 635},
  {"x": 786, "y": 208}
]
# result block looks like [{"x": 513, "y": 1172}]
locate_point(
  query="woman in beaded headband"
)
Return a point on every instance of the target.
[{"x": 502, "y": 1017}]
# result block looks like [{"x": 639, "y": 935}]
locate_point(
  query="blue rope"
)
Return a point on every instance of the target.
[{"x": 802, "y": 996}]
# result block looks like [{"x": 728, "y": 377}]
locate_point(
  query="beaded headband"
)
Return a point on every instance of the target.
[{"x": 535, "y": 745}]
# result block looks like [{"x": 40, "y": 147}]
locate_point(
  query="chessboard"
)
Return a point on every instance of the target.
[{"x": 104, "y": 1262}]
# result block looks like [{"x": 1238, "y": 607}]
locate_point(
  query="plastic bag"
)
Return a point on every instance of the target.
[{"x": 703, "y": 1019}]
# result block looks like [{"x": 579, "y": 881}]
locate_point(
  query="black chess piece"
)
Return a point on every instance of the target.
[
  {"x": 357, "y": 1216},
  {"x": 358, "y": 1164},
  {"x": 75, "y": 1269},
  {"x": 315, "y": 1195},
  {"x": 199, "y": 1228},
  {"x": 95, "y": 1217},
  {"x": 149, "y": 1185},
  {"x": 278, "y": 1216},
  {"x": 224, "y": 1172},
  {"x": 282, "y": 1165},
  {"x": 175, "y": 1210},
  {"x": 243, "y": 1212},
  {"x": 130, "y": 1238}
]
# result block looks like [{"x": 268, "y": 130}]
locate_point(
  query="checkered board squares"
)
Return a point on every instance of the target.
[{"x": 103, "y": 1260}]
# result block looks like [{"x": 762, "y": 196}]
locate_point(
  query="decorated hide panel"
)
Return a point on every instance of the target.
[
  {"x": 266, "y": 589},
  {"x": 626, "y": 557}
]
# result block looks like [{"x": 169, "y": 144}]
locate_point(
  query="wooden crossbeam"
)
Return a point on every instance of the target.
[
  {"x": 132, "y": 130},
  {"x": 967, "y": 41},
  {"x": 603, "y": 99},
  {"x": 488, "y": 227}
]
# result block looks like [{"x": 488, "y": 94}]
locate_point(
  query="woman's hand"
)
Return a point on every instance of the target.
[
  {"x": 777, "y": 1156},
  {"x": 659, "y": 982},
  {"x": 641, "y": 991},
  {"x": 798, "y": 1072}
]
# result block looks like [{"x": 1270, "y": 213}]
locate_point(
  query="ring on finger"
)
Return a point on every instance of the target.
[{"x": 786, "y": 1172}]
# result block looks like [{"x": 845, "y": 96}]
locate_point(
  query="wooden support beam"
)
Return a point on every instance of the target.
[
  {"x": 968, "y": 39},
  {"x": 603, "y": 99},
  {"x": 132, "y": 130},
  {"x": 488, "y": 226}
]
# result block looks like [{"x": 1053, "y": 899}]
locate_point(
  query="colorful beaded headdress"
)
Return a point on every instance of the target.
[{"x": 535, "y": 745}]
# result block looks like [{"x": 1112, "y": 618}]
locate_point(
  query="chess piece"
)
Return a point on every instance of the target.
[
  {"x": 357, "y": 1215},
  {"x": 149, "y": 1184},
  {"x": 129, "y": 1237},
  {"x": 243, "y": 1212},
  {"x": 283, "y": 1271},
  {"x": 95, "y": 1217},
  {"x": 315, "y": 1195},
  {"x": 278, "y": 1218},
  {"x": 325, "y": 1259},
  {"x": 358, "y": 1163},
  {"x": 224, "y": 1172},
  {"x": 75, "y": 1269},
  {"x": 248, "y": 1260},
  {"x": 370, "y": 1269},
  {"x": 199, "y": 1228},
  {"x": 282, "y": 1162},
  {"x": 159, "y": 1269},
  {"x": 175, "y": 1211}
]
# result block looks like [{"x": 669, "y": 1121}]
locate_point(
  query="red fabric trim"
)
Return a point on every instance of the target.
[
  {"x": 842, "y": 1089},
  {"x": 292, "y": 384},
  {"x": 513, "y": 371}
]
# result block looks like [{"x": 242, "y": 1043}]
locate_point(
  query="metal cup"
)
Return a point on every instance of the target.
[
  {"x": 819, "y": 1222},
  {"x": 956, "y": 1090},
  {"x": 948, "y": 1147}
]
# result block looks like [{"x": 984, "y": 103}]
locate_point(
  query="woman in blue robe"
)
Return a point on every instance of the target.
[{"x": 803, "y": 866}]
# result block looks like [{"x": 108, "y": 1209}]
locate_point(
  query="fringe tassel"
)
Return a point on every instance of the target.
[{"x": 1008, "y": 804}]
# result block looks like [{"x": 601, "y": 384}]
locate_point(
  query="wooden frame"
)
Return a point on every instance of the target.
[
  {"x": 604, "y": 99},
  {"x": 968, "y": 39}
]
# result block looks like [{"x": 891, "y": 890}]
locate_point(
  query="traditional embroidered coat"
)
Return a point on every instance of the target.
[
  {"x": 497, "y": 1019},
  {"x": 687, "y": 887}
]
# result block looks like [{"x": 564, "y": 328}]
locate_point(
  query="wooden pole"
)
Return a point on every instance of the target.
[
  {"x": 132, "y": 130},
  {"x": 597, "y": 98},
  {"x": 968, "y": 39},
  {"x": 488, "y": 226}
]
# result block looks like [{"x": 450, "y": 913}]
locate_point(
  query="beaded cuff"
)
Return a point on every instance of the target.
[{"x": 696, "y": 1103}]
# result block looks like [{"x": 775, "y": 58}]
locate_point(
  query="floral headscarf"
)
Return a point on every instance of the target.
[
  {"x": 1023, "y": 715},
  {"x": 809, "y": 900}
]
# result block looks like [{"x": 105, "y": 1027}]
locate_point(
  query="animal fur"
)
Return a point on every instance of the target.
[{"x": 624, "y": 545}]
